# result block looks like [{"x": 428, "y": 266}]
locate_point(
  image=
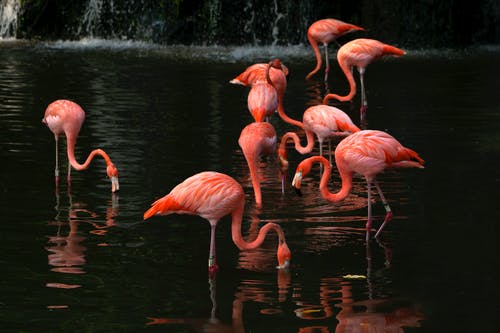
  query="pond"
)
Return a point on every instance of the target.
[{"x": 82, "y": 258}]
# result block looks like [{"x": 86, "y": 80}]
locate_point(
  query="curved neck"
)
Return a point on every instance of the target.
[
  {"x": 238, "y": 240},
  {"x": 317, "y": 53},
  {"x": 323, "y": 185},
  {"x": 74, "y": 163},
  {"x": 281, "y": 113},
  {"x": 252, "y": 166},
  {"x": 352, "y": 85},
  {"x": 296, "y": 140}
]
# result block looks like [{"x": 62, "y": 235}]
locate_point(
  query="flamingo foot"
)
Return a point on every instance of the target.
[
  {"x": 212, "y": 270},
  {"x": 368, "y": 229},
  {"x": 362, "y": 115},
  {"x": 388, "y": 217}
]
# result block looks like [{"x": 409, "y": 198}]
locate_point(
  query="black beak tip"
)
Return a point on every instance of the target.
[{"x": 298, "y": 191}]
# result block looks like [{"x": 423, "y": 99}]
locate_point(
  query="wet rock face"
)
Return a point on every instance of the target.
[{"x": 430, "y": 23}]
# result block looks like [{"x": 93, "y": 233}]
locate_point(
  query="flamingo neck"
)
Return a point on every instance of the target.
[
  {"x": 281, "y": 113},
  {"x": 296, "y": 140},
  {"x": 252, "y": 166},
  {"x": 238, "y": 240},
  {"x": 317, "y": 53},
  {"x": 346, "y": 178},
  {"x": 352, "y": 85},
  {"x": 74, "y": 163}
]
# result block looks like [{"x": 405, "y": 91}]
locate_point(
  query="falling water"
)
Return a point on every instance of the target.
[
  {"x": 275, "y": 29},
  {"x": 90, "y": 20},
  {"x": 214, "y": 16},
  {"x": 9, "y": 10}
]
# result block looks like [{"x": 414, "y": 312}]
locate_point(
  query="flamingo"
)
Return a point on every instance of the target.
[
  {"x": 64, "y": 116},
  {"x": 367, "y": 152},
  {"x": 213, "y": 195},
  {"x": 256, "y": 139},
  {"x": 325, "y": 31},
  {"x": 258, "y": 72},
  {"x": 360, "y": 53},
  {"x": 323, "y": 120},
  {"x": 264, "y": 98}
]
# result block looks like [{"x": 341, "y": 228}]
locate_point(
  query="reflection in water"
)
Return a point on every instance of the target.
[
  {"x": 333, "y": 308},
  {"x": 210, "y": 324},
  {"x": 66, "y": 253}
]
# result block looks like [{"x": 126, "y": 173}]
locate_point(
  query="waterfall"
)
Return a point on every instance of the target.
[
  {"x": 9, "y": 10},
  {"x": 275, "y": 29},
  {"x": 90, "y": 20}
]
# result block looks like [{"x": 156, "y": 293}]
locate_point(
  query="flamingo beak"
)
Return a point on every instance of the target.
[
  {"x": 297, "y": 179},
  {"x": 115, "y": 186},
  {"x": 283, "y": 162},
  {"x": 284, "y": 256},
  {"x": 284, "y": 265}
]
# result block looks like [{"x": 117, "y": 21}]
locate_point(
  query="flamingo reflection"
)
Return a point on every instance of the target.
[
  {"x": 210, "y": 324},
  {"x": 67, "y": 252}
]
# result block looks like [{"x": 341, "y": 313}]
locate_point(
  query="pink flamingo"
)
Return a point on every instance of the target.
[
  {"x": 324, "y": 121},
  {"x": 325, "y": 31},
  {"x": 264, "y": 97},
  {"x": 360, "y": 53},
  {"x": 367, "y": 152},
  {"x": 258, "y": 72},
  {"x": 255, "y": 140},
  {"x": 213, "y": 195},
  {"x": 64, "y": 116}
]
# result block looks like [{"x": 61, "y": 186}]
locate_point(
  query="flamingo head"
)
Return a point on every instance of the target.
[
  {"x": 283, "y": 159},
  {"x": 276, "y": 63},
  {"x": 112, "y": 172},
  {"x": 284, "y": 255},
  {"x": 302, "y": 170},
  {"x": 346, "y": 28}
]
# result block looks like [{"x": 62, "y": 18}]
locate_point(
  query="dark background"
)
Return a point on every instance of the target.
[{"x": 420, "y": 24}]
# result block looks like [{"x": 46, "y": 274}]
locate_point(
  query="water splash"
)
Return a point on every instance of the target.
[
  {"x": 275, "y": 29},
  {"x": 9, "y": 10},
  {"x": 90, "y": 20}
]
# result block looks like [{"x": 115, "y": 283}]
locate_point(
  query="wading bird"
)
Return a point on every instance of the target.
[
  {"x": 367, "y": 152},
  {"x": 265, "y": 97},
  {"x": 213, "y": 195},
  {"x": 360, "y": 53},
  {"x": 256, "y": 139},
  {"x": 324, "y": 121},
  {"x": 64, "y": 116},
  {"x": 325, "y": 31}
]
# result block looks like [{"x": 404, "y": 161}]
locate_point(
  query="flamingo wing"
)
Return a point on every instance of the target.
[{"x": 208, "y": 194}]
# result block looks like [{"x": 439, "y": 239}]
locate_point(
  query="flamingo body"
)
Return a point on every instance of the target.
[
  {"x": 257, "y": 139},
  {"x": 367, "y": 152},
  {"x": 66, "y": 117},
  {"x": 213, "y": 195},
  {"x": 326, "y": 121},
  {"x": 262, "y": 100},
  {"x": 360, "y": 53},
  {"x": 323, "y": 121},
  {"x": 257, "y": 72},
  {"x": 325, "y": 31}
]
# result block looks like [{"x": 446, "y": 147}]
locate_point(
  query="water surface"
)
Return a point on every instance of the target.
[{"x": 82, "y": 259}]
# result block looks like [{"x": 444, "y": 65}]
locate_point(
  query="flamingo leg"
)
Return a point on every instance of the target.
[
  {"x": 69, "y": 172},
  {"x": 320, "y": 154},
  {"x": 369, "y": 220},
  {"x": 364, "y": 101},
  {"x": 212, "y": 263},
  {"x": 327, "y": 63},
  {"x": 388, "y": 215},
  {"x": 330, "y": 151},
  {"x": 56, "y": 171}
]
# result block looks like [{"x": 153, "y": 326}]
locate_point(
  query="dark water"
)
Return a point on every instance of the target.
[{"x": 84, "y": 261}]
